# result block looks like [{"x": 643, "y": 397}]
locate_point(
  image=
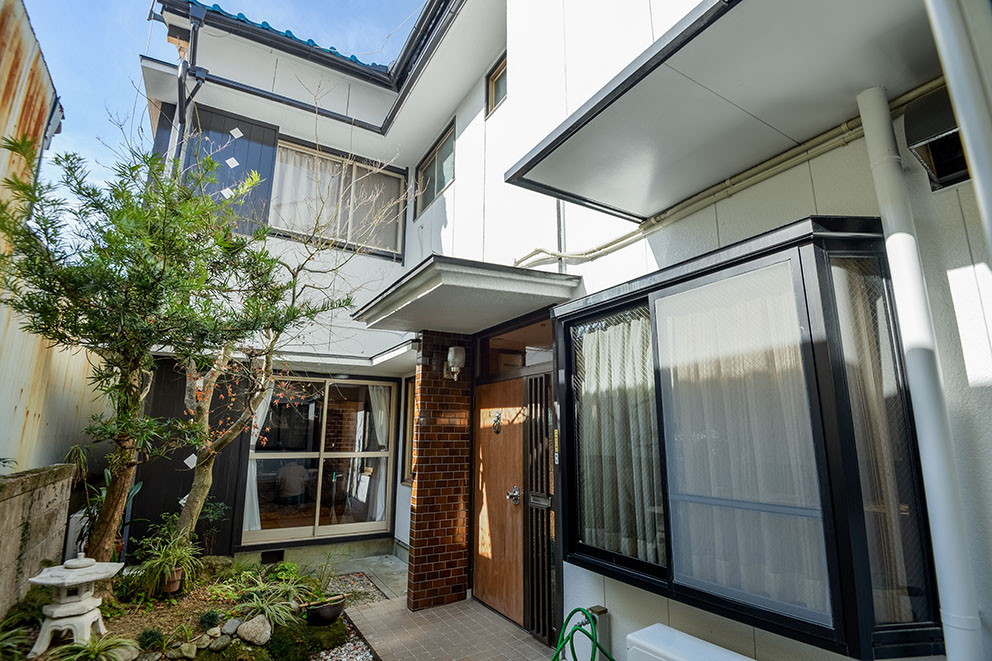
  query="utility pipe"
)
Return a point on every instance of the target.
[
  {"x": 958, "y": 604},
  {"x": 837, "y": 137},
  {"x": 964, "y": 46}
]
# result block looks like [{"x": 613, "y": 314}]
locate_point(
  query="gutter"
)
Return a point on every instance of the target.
[{"x": 423, "y": 42}]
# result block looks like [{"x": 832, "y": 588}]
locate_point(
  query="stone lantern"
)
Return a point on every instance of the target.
[{"x": 74, "y": 607}]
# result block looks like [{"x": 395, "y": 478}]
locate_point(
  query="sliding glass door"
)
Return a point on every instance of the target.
[{"x": 320, "y": 461}]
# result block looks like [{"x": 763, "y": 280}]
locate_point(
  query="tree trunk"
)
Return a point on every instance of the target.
[
  {"x": 203, "y": 478},
  {"x": 103, "y": 534}
]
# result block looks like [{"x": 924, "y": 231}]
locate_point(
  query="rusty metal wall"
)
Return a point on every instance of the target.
[{"x": 45, "y": 400}]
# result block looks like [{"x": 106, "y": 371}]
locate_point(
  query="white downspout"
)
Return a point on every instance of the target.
[
  {"x": 962, "y": 30},
  {"x": 958, "y": 604}
]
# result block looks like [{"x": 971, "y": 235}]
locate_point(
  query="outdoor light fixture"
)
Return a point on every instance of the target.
[{"x": 456, "y": 361}]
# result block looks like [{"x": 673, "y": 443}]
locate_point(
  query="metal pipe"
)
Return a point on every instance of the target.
[
  {"x": 961, "y": 57},
  {"x": 821, "y": 144},
  {"x": 958, "y": 603}
]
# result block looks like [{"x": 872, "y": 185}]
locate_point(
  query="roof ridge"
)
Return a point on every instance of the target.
[{"x": 288, "y": 33}]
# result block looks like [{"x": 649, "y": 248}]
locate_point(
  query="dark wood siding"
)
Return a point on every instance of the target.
[
  {"x": 165, "y": 481},
  {"x": 210, "y": 134},
  {"x": 163, "y": 130}
]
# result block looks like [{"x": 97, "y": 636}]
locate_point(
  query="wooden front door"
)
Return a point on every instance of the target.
[{"x": 499, "y": 520}]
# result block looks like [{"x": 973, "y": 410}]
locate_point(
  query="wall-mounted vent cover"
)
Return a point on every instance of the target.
[{"x": 932, "y": 135}]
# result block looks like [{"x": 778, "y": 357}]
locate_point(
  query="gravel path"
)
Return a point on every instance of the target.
[
  {"x": 356, "y": 649},
  {"x": 362, "y": 589}
]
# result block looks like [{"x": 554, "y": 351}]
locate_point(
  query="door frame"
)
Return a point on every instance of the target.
[{"x": 481, "y": 378}]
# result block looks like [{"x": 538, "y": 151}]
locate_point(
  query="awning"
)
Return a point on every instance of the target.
[
  {"x": 730, "y": 86},
  {"x": 463, "y": 296}
]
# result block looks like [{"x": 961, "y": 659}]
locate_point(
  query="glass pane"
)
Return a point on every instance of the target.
[
  {"x": 446, "y": 161},
  {"x": 499, "y": 89},
  {"x": 305, "y": 193},
  {"x": 354, "y": 490},
  {"x": 893, "y": 511},
  {"x": 358, "y": 418},
  {"x": 294, "y": 420},
  {"x": 375, "y": 215},
  {"x": 524, "y": 347},
  {"x": 746, "y": 514},
  {"x": 620, "y": 487},
  {"x": 427, "y": 186},
  {"x": 287, "y": 492}
]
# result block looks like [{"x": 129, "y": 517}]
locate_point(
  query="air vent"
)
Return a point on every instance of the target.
[{"x": 932, "y": 135}]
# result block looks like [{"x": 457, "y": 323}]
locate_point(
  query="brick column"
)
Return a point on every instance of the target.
[{"x": 442, "y": 462}]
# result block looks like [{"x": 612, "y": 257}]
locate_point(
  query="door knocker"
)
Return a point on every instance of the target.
[{"x": 497, "y": 422}]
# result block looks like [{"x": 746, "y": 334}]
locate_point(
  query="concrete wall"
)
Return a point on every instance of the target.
[{"x": 34, "y": 506}]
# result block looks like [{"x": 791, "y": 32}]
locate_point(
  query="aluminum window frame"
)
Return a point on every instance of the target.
[
  {"x": 332, "y": 531},
  {"x": 807, "y": 245},
  {"x": 420, "y": 207},
  {"x": 346, "y": 161}
]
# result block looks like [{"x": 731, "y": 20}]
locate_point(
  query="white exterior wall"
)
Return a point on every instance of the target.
[{"x": 597, "y": 42}]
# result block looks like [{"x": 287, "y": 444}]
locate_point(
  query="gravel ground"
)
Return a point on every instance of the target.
[
  {"x": 362, "y": 589},
  {"x": 356, "y": 649}
]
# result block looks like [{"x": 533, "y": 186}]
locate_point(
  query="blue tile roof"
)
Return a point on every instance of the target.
[{"x": 287, "y": 33}]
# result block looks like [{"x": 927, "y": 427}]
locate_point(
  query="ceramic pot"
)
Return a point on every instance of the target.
[
  {"x": 324, "y": 614},
  {"x": 171, "y": 582}
]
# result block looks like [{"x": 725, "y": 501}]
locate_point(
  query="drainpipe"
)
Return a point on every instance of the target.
[
  {"x": 958, "y": 604},
  {"x": 962, "y": 30},
  {"x": 197, "y": 14}
]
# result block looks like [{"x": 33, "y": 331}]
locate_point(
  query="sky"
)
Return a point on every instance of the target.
[{"x": 92, "y": 50}]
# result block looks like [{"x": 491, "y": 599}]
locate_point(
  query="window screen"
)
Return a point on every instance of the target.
[
  {"x": 619, "y": 468},
  {"x": 746, "y": 513}
]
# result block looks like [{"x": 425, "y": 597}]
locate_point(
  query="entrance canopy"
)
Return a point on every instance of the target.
[
  {"x": 454, "y": 295},
  {"x": 730, "y": 86}
]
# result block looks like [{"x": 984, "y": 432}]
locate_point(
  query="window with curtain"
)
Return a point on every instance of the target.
[
  {"x": 319, "y": 196},
  {"x": 738, "y": 436},
  {"x": 746, "y": 515},
  {"x": 319, "y": 461},
  {"x": 619, "y": 471},
  {"x": 892, "y": 503},
  {"x": 436, "y": 170}
]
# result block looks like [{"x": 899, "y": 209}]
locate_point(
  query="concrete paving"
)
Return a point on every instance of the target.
[{"x": 387, "y": 572}]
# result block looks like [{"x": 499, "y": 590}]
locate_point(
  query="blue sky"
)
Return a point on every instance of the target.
[{"x": 92, "y": 50}]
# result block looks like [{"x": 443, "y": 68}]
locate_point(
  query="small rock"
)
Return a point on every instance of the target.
[
  {"x": 230, "y": 627},
  {"x": 203, "y": 642},
  {"x": 174, "y": 654},
  {"x": 256, "y": 631},
  {"x": 126, "y": 653},
  {"x": 220, "y": 644},
  {"x": 150, "y": 656},
  {"x": 213, "y": 632},
  {"x": 188, "y": 650}
]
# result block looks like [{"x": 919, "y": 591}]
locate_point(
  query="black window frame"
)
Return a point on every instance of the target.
[
  {"x": 807, "y": 244},
  {"x": 419, "y": 206}
]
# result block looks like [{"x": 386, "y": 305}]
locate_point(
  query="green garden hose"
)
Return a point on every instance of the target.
[{"x": 569, "y": 638}]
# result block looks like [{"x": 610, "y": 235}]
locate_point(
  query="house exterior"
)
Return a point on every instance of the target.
[{"x": 684, "y": 312}]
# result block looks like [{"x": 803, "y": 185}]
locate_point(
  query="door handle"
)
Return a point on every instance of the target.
[{"x": 514, "y": 495}]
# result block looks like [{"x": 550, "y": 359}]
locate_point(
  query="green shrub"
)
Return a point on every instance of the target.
[
  {"x": 276, "y": 610},
  {"x": 27, "y": 612},
  {"x": 152, "y": 640},
  {"x": 210, "y": 619},
  {"x": 14, "y": 641},
  {"x": 103, "y": 648},
  {"x": 289, "y": 643},
  {"x": 284, "y": 571}
]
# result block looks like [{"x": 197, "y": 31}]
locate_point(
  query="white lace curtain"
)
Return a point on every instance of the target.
[
  {"x": 380, "y": 397},
  {"x": 252, "y": 516},
  {"x": 306, "y": 190},
  {"x": 746, "y": 514}
]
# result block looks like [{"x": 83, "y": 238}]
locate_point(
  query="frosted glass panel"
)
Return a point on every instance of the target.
[{"x": 746, "y": 513}]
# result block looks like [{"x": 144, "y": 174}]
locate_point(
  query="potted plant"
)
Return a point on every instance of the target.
[{"x": 168, "y": 559}]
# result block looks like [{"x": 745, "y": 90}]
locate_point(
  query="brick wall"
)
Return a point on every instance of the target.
[{"x": 439, "y": 509}]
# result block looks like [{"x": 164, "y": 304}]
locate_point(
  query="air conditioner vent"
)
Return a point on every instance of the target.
[{"x": 932, "y": 135}]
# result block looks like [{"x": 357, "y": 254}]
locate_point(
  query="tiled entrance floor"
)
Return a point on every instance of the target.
[{"x": 463, "y": 630}]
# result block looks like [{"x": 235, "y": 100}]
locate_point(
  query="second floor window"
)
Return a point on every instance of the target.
[
  {"x": 317, "y": 196},
  {"x": 437, "y": 170},
  {"x": 496, "y": 88}
]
